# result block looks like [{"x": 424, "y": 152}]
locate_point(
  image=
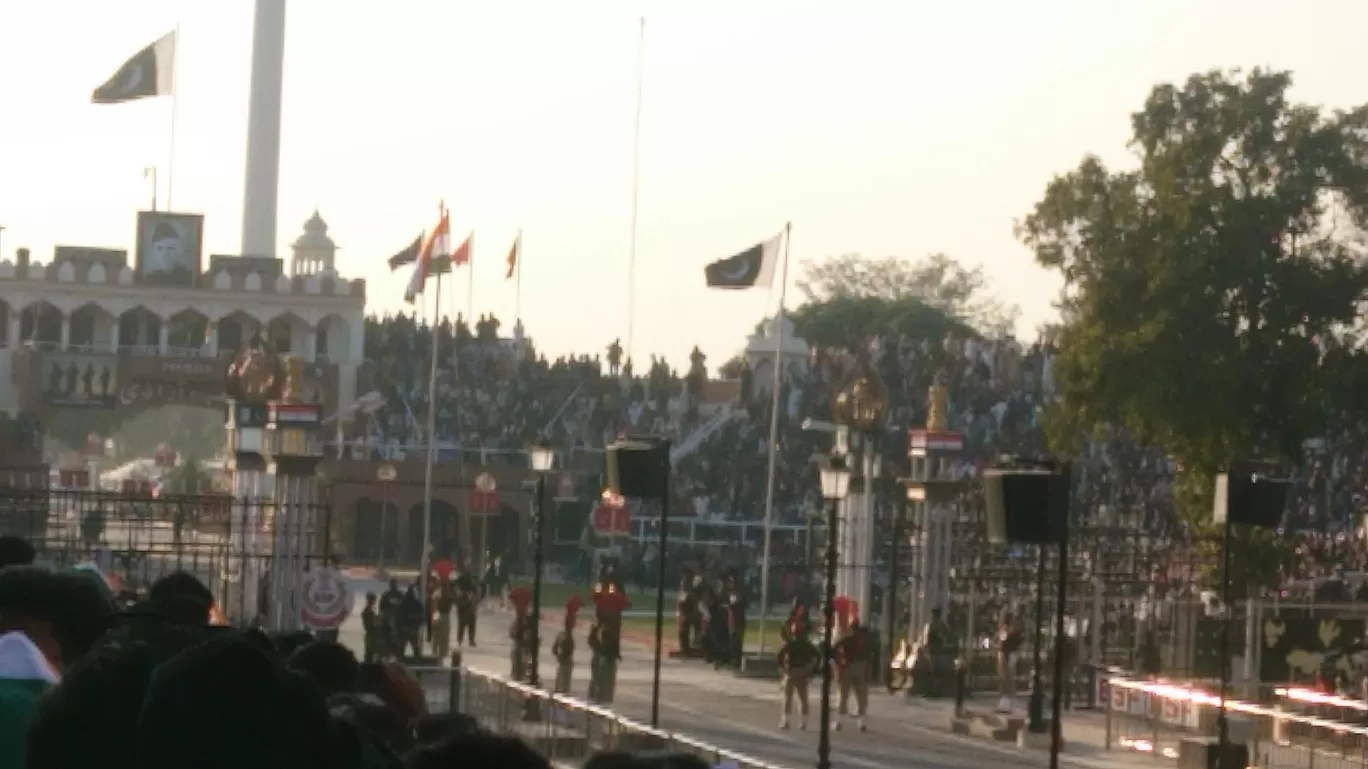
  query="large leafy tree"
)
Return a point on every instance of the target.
[
  {"x": 848, "y": 298},
  {"x": 1212, "y": 294}
]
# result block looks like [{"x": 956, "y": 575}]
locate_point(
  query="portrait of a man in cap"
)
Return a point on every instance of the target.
[{"x": 169, "y": 247}]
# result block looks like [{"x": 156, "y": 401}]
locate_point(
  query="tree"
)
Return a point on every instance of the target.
[
  {"x": 734, "y": 367},
  {"x": 936, "y": 281},
  {"x": 1211, "y": 294}
]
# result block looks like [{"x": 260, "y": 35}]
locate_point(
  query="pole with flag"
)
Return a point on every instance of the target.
[
  {"x": 749, "y": 269},
  {"x": 636, "y": 187},
  {"x": 147, "y": 74},
  {"x": 515, "y": 270},
  {"x": 435, "y": 251}
]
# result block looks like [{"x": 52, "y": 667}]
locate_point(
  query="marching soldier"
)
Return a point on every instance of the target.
[
  {"x": 686, "y": 614},
  {"x": 605, "y": 642},
  {"x": 799, "y": 624},
  {"x": 519, "y": 632},
  {"x": 564, "y": 647},
  {"x": 853, "y": 654},
  {"x": 467, "y": 600},
  {"x": 797, "y": 658},
  {"x": 736, "y": 621}
]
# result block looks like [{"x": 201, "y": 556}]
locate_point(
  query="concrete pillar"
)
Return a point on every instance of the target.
[
  {"x": 66, "y": 331},
  {"x": 262, "y": 179}
]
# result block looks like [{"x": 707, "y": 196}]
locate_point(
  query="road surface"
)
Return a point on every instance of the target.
[{"x": 743, "y": 714}]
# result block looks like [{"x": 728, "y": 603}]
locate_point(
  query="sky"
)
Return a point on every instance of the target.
[{"x": 878, "y": 128}]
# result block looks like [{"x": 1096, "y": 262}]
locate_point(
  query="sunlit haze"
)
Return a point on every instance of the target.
[{"x": 894, "y": 128}]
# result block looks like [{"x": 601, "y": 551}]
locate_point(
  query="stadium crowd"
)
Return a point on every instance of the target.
[{"x": 997, "y": 390}]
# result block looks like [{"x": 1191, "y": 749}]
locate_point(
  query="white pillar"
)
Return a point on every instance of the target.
[
  {"x": 310, "y": 344},
  {"x": 66, "y": 331},
  {"x": 261, "y": 182},
  {"x": 15, "y": 321},
  {"x": 163, "y": 337}
]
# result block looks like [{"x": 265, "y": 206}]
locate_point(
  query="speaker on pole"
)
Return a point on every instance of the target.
[
  {"x": 638, "y": 468},
  {"x": 1025, "y": 506},
  {"x": 1250, "y": 494}
]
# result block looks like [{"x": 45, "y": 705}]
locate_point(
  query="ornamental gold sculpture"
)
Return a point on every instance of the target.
[{"x": 255, "y": 374}]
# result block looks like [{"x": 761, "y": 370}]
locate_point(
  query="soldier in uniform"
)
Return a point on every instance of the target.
[
  {"x": 736, "y": 621},
  {"x": 564, "y": 647},
  {"x": 853, "y": 653},
  {"x": 520, "y": 632},
  {"x": 797, "y": 659},
  {"x": 687, "y": 614},
  {"x": 467, "y": 600},
  {"x": 605, "y": 642}
]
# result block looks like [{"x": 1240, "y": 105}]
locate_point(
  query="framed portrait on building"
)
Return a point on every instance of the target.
[{"x": 169, "y": 246}]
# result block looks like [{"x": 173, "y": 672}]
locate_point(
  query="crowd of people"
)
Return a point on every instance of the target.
[
  {"x": 85, "y": 682},
  {"x": 997, "y": 391}
]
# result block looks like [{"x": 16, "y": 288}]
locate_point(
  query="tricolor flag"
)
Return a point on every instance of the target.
[
  {"x": 748, "y": 269},
  {"x": 435, "y": 248},
  {"x": 149, "y": 72},
  {"x": 513, "y": 255}
]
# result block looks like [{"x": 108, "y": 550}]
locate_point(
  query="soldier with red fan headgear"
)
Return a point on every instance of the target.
[
  {"x": 564, "y": 647},
  {"x": 854, "y": 652},
  {"x": 605, "y": 642},
  {"x": 520, "y": 632}
]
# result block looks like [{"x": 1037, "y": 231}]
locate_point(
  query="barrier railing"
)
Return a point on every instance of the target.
[
  {"x": 564, "y": 729},
  {"x": 1157, "y": 718}
]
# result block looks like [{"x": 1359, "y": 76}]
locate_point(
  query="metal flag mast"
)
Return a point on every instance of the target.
[
  {"x": 636, "y": 186},
  {"x": 773, "y": 438},
  {"x": 171, "y": 151},
  {"x": 431, "y": 417}
]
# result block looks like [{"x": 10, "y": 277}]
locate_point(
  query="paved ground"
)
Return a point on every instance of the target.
[{"x": 742, "y": 715}]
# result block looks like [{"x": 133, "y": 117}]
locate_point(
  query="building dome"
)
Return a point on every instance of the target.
[{"x": 315, "y": 237}]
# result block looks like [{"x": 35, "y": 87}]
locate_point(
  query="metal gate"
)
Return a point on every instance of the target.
[{"x": 137, "y": 538}]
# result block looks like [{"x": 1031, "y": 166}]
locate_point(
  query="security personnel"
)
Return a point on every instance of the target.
[
  {"x": 467, "y": 600},
  {"x": 564, "y": 647},
  {"x": 853, "y": 654},
  {"x": 520, "y": 632},
  {"x": 797, "y": 658},
  {"x": 605, "y": 643}
]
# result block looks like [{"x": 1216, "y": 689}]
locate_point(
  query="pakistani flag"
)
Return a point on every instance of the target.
[
  {"x": 150, "y": 72},
  {"x": 748, "y": 269}
]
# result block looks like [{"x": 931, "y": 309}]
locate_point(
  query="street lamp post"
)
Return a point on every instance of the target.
[
  {"x": 835, "y": 485},
  {"x": 542, "y": 457}
]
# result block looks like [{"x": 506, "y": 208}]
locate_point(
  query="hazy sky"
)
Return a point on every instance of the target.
[{"x": 883, "y": 128}]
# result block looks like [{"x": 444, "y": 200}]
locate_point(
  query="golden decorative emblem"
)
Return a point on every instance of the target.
[
  {"x": 294, "y": 379},
  {"x": 938, "y": 404},
  {"x": 254, "y": 375}
]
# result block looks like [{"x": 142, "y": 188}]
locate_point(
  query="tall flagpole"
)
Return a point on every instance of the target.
[
  {"x": 470, "y": 282},
  {"x": 773, "y": 439},
  {"x": 431, "y": 427},
  {"x": 636, "y": 187},
  {"x": 175, "y": 101},
  {"x": 517, "y": 286}
]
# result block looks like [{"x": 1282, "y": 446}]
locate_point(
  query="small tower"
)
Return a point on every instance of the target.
[{"x": 314, "y": 251}]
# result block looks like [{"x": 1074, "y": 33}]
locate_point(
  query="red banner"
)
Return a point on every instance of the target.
[
  {"x": 483, "y": 502},
  {"x": 612, "y": 519}
]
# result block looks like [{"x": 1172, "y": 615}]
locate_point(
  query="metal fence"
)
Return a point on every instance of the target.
[
  {"x": 1157, "y": 718},
  {"x": 238, "y": 546},
  {"x": 564, "y": 729}
]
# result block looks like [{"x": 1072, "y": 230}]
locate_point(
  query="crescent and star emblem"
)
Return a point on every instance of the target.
[
  {"x": 742, "y": 269},
  {"x": 134, "y": 79}
]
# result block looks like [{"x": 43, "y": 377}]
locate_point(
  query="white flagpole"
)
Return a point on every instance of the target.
[
  {"x": 773, "y": 439},
  {"x": 175, "y": 100},
  {"x": 517, "y": 286},
  {"x": 431, "y": 430},
  {"x": 636, "y": 186}
]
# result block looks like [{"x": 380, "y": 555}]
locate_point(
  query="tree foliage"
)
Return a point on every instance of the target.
[
  {"x": 1212, "y": 294},
  {"x": 937, "y": 282}
]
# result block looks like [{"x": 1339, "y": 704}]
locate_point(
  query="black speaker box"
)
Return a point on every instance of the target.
[
  {"x": 1249, "y": 495},
  {"x": 1025, "y": 506},
  {"x": 638, "y": 469}
]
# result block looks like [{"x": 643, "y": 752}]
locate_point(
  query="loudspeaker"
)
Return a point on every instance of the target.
[
  {"x": 1249, "y": 495},
  {"x": 639, "y": 469},
  {"x": 1025, "y": 506}
]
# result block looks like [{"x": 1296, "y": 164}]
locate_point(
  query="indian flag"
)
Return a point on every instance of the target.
[
  {"x": 25, "y": 675},
  {"x": 437, "y": 247}
]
